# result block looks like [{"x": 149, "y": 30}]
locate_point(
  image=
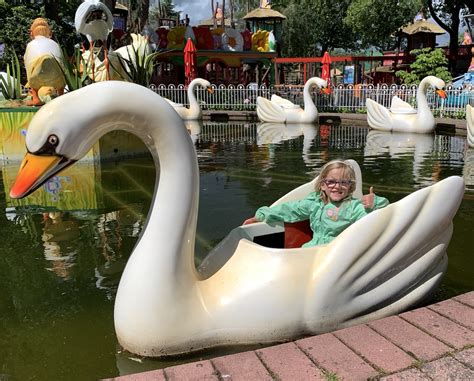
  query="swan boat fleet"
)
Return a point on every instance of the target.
[{"x": 244, "y": 292}]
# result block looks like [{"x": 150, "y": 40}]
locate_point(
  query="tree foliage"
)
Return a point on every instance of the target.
[
  {"x": 165, "y": 10},
  {"x": 448, "y": 13},
  {"x": 314, "y": 26},
  {"x": 375, "y": 22},
  {"x": 16, "y": 18},
  {"x": 427, "y": 62}
]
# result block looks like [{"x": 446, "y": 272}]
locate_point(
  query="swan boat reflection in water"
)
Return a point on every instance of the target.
[
  {"x": 270, "y": 134},
  {"x": 247, "y": 293},
  {"x": 398, "y": 145},
  {"x": 402, "y": 117}
]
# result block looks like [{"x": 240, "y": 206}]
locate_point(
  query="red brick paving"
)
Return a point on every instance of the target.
[
  {"x": 241, "y": 367},
  {"x": 332, "y": 355},
  {"x": 375, "y": 348},
  {"x": 409, "y": 338},
  {"x": 447, "y": 368},
  {"x": 437, "y": 325},
  {"x": 430, "y": 343},
  {"x": 288, "y": 362},
  {"x": 201, "y": 370},
  {"x": 455, "y": 311}
]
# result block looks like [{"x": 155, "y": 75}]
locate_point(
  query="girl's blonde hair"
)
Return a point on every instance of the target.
[{"x": 348, "y": 173}]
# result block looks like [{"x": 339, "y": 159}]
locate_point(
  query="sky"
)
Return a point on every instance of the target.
[{"x": 197, "y": 10}]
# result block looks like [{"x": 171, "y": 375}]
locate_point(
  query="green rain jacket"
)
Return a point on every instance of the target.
[{"x": 327, "y": 221}]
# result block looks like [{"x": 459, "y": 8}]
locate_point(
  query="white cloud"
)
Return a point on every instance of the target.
[{"x": 197, "y": 10}]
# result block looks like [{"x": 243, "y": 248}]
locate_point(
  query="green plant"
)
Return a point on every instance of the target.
[
  {"x": 10, "y": 85},
  {"x": 74, "y": 76},
  {"x": 427, "y": 62},
  {"x": 138, "y": 68}
]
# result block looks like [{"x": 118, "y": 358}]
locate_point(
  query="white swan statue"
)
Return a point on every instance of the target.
[
  {"x": 247, "y": 293},
  {"x": 470, "y": 125},
  {"x": 94, "y": 20},
  {"x": 280, "y": 110},
  {"x": 194, "y": 111},
  {"x": 402, "y": 117},
  {"x": 119, "y": 60}
]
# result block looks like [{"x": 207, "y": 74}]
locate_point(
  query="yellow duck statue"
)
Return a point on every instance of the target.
[{"x": 43, "y": 58}]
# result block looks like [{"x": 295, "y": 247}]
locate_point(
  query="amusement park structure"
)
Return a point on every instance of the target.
[{"x": 246, "y": 51}]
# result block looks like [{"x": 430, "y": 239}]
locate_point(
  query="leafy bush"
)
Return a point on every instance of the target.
[
  {"x": 74, "y": 70},
  {"x": 10, "y": 86},
  {"x": 427, "y": 62}
]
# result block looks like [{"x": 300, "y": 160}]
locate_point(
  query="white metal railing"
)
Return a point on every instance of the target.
[{"x": 343, "y": 98}]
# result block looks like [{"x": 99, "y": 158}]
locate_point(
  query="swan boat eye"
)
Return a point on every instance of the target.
[{"x": 49, "y": 148}]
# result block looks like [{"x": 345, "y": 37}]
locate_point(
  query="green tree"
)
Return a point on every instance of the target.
[
  {"x": 315, "y": 26},
  {"x": 447, "y": 14},
  {"x": 16, "y": 18},
  {"x": 164, "y": 9},
  {"x": 376, "y": 21},
  {"x": 427, "y": 62}
]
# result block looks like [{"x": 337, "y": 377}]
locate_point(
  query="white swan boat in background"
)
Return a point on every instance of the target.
[
  {"x": 402, "y": 117},
  {"x": 194, "y": 111},
  {"x": 247, "y": 293},
  {"x": 470, "y": 125},
  {"x": 280, "y": 110}
]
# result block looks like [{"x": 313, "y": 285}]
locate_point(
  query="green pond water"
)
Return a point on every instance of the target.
[{"x": 62, "y": 251}]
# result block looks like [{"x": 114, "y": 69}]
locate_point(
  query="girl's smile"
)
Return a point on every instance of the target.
[{"x": 335, "y": 185}]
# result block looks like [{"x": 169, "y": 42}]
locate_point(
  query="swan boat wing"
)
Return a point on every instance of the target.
[
  {"x": 400, "y": 106},
  {"x": 381, "y": 265},
  {"x": 267, "y": 111},
  {"x": 282, "y": 102},
  {"x": 378, "y": 116},
  {"x": 174, "y": 104}
]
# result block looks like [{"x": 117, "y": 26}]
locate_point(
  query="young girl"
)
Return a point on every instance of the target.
[{"x": 330, "y": 209}]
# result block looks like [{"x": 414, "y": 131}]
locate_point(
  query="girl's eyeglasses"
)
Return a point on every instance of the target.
[{"x": 342, "y": 183}]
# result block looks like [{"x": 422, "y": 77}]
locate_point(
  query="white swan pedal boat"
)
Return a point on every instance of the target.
[
  {"x": 194, "y": 111},
  {"x": 246, "y": 293},
  {"x": 402, "y": 117},
  {"x": 280, "y": 110}
]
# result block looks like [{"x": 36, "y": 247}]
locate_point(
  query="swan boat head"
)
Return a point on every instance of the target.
[
  {"x": 194, "y": 111},
  {"x": 246, "y": 293}
]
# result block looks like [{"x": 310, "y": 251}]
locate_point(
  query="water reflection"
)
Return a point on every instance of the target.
[
  {"x": 58, "y": 237},
  {"x": 468, "y": 169},
  {"x": 414, "y": 148},
  {"x": 194, "y": 128},
  {"x": 270, "y": 135}
]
